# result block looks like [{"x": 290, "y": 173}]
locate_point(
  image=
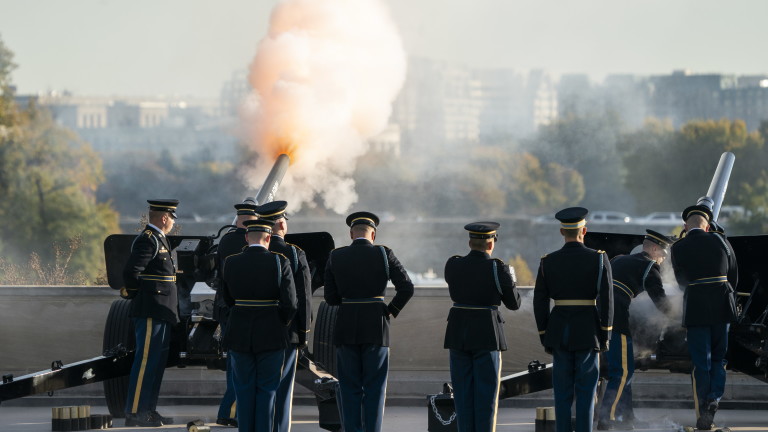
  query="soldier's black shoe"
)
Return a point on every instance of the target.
[
  {"x": 712, "y": 407},
  {"x": 227, "y": 422},
  {"x": 705, "y": 421},
  {"x": 164, "y": 420},
  {"x": 141, "y": 420},
  {"x": 607, "y": 425}
]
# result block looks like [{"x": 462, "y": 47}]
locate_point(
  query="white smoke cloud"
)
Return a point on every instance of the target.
[{"x": 324, "y": 79}]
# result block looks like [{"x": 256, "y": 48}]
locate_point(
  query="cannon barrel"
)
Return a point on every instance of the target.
[
  {"x": 718, "y": 186},
  {"x": 272, "y": 182}
]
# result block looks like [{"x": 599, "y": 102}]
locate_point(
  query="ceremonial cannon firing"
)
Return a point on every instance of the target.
[
  {"x": 195, "y": 340},
  {"x": 662, "y": 343}
]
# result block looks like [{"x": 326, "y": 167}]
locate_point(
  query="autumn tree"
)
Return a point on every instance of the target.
[
  {"x": 668, "y": 170},
  {"x": 48, "y": 183}
]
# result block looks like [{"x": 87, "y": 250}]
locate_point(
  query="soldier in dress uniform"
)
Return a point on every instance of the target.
[
  {"x": 300, "y": 326},
  {"x": 578, "y": 279},
  {"x": 232, "y": 243},
  {"x": 356, "y": 279},
  {"x": 258, "y": 286},
  {"x": 632, "y": 274},
  {"x": 150, "y": 281},
  {"x": 705, "y": 267},
  {"x": 478, "y": 285}
]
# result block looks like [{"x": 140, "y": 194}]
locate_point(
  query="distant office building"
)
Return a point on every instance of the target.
[
  {"x": 113, "y": 126},
  {"x": 748, "y": 101},
  {"x": 683, "y": 97},
  {"x": 449, "y": 104},
  {"x": 504, "y": 108},
  {"x": 543, "y": 96},
  {"x": 387, "y": 142},
  {"x": 622, "y": 95},
  {"x": 575, "y": 95},
  {"x": 233, "y": 93},
  {"x": 438, "y": 105}
]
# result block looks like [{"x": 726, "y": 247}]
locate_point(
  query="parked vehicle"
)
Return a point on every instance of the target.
[
  {"x": 609, "y": 217},
  {"x": 732, "y": 212},
  {"x": 661, "y": 218}
]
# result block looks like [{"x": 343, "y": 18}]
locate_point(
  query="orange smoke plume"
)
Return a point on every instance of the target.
[{"x": 324, "y": 79}]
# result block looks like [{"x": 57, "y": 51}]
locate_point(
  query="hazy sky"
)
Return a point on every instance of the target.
[{"x": 190, "y": 47}]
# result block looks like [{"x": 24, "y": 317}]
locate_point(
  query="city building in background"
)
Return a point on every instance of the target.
[{"x": 442, "y": 105}]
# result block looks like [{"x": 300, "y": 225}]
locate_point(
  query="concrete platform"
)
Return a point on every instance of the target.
[{"x": 397, "y": 419}]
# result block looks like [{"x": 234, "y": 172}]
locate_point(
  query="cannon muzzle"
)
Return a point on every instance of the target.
[{"x": 716, "y": 193}]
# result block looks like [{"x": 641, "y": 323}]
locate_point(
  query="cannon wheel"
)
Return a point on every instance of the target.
[
  {"x": 324, "y": 351},
  {"x": 118, "y": 330}
]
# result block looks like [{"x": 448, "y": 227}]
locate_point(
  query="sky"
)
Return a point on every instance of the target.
[{"x": 190, "y": 47}]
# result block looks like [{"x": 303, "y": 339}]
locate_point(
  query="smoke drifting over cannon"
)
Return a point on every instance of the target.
[{"x": 324, "y": 79}]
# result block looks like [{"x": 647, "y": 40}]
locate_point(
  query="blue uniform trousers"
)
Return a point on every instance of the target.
[
  {"x": 363, "y": 373},
  {"x": 475, "y": 377},
  {"x": 153, "y": 338},
  {"x": 617, "y": 400},
  {"x": 228, "y": 405},
  {"x": 257, "y": 377},
  {"x": 284, "y": 399},
  {"x": 707, "y": 346},
  {"x": 574, "y": 373}
]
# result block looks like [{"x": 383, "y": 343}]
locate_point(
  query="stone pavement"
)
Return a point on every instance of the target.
[{"x": 397, "y": 419}]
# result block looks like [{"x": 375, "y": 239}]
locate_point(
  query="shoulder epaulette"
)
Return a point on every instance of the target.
[
  {"x": 456, "y": 256},
  {"x": 499, "y": 261},
  {"x": 148, "y": 233},
  {"x": 230, "y": 256},
  {"x": 544, "y": 256},
  {"x": 278, "y": 253},
  {"x": 294, "y": 245},
  {"x": 384, "y": 246},
  {"x": 600, "y": 251}
]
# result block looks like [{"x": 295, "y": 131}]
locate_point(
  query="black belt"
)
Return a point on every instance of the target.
[
  {"x": 363, "y": 300},
  {"x": 469, "y": 306},
  {"x": 256, "y": 303}
]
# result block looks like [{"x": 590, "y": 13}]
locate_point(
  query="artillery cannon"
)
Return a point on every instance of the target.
[
  {"x": 664, "y": 346},
  {"x": 196, "y": 339}
]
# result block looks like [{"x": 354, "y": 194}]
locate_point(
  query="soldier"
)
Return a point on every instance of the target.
[
  {"x": 233, "y": 242},
  {"x": 150, "y": 281},
  {"x": 258, "y": 286},
  {"x": 478, "y": 284},
  {"x": 300, "y": 326},
  {"x": 632, "y": 274},
  {"x": 705, "y": 267},
  {"x": 578, "y": 279},
  {"x": 356, "y": 279}
]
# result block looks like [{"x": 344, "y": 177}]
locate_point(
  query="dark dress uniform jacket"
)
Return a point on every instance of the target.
[
  {"x": 302, "y": 278},
  {"x": 698, "y": 256},
  {"x": 361, "y": 271},
  {"x": 633, "y": 274},
  {"x": 258, "y": 274},
  {"x": 478, "y": 280},
  {"x": 574, "y": 272},
  {"x": 231, "y": 243},
  {"x": 150, "y": 273}
]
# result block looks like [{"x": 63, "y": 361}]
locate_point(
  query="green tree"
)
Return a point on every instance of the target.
[
  {"x": 491, "y": 180},
  {"x": 49, "y": 179},
  {"x": 668, "y": 170},
  {"x": 587, "y": 144}
]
